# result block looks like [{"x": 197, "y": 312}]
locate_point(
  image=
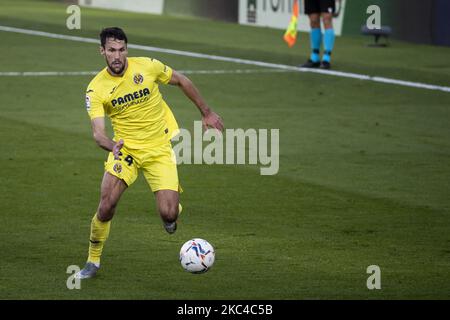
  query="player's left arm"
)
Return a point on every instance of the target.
[{"x": 209, "y": 117}]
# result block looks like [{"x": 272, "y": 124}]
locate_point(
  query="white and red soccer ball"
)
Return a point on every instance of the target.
[{"x": 197, "y": 256}]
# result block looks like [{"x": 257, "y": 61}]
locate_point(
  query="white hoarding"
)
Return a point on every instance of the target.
[
  {"x": 144, "y": 6},
  {"x": 277, "y": 14}
]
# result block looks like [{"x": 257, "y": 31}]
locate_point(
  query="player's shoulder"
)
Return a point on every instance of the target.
[
  {"x": 99, "y": 80},
  {"x": 140, "y": 60},
  {"x": 147, "y": 62}
]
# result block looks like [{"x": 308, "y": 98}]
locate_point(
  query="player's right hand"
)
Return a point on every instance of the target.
[
  {"x": 212, "y": 120},
  {"x": 116, "y": 149}
]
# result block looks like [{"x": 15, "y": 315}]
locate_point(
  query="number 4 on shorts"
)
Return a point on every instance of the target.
[{"x": 129, "y": 160}]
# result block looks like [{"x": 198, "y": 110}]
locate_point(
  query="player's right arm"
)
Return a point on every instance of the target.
[
  {"x": 101, "y": 138},
  {"x": 94, "y": 107}
]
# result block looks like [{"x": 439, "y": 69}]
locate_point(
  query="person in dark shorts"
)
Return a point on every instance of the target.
[{"x": 317, "y": 9}]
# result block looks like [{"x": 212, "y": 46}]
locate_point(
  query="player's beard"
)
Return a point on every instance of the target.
[{"x": 114, "y": 67}]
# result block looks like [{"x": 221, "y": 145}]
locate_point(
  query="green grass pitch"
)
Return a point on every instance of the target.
[{"x": 364, "y": 169}]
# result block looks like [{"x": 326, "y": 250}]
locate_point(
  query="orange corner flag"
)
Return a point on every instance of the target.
[{"x": 290, "y": 36}]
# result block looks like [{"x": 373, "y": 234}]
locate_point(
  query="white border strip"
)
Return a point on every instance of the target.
[
  {"x": 47, "y": 73},
  {"x": 235, "y": 60}
]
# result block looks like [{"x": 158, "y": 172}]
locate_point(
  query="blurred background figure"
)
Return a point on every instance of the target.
[{"x": 317, "y": 10}]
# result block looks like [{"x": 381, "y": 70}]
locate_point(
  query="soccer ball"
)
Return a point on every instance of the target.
[{"x": 197, "y": 256}]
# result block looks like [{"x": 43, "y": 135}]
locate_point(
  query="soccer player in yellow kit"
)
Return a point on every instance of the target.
[{"x": 127, "y": 91}]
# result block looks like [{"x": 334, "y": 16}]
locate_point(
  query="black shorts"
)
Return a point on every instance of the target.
[{"x": 318, "y": 6}]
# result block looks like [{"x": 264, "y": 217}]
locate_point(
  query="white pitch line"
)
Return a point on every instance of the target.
[
  {"x": 231, "y": 71},
  {"x": 84, "y": 73},
  {"x": 235, "y": 60},
  {"x": 47, "y": 73}
]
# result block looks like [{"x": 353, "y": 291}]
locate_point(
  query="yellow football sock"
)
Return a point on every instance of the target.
[
  {"x": 180, "y": 208},
  {"x": 99, "y": 234}
]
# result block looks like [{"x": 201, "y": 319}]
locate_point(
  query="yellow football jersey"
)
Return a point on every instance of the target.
[{"x": 133, "y": 102}]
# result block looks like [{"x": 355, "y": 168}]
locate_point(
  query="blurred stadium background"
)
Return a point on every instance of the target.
[{"x": 364, "y": 165}]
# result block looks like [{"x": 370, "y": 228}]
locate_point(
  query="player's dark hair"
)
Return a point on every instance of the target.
[{"x": 114, "y": 33}]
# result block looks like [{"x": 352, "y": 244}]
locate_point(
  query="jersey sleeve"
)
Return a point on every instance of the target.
[
  {"x": 163, "y": 72},
  {"x": 94, "y": 104}
]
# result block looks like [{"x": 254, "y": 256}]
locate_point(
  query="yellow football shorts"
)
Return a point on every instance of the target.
[{"x": 158, "y": 164}]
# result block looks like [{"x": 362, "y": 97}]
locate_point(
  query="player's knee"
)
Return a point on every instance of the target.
[
  {"x": 314, "y": 21},
  {"x": 327, "y": 21},
  {"x": 169, "y": 213},
  {"x": 106, "y": 210}
]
